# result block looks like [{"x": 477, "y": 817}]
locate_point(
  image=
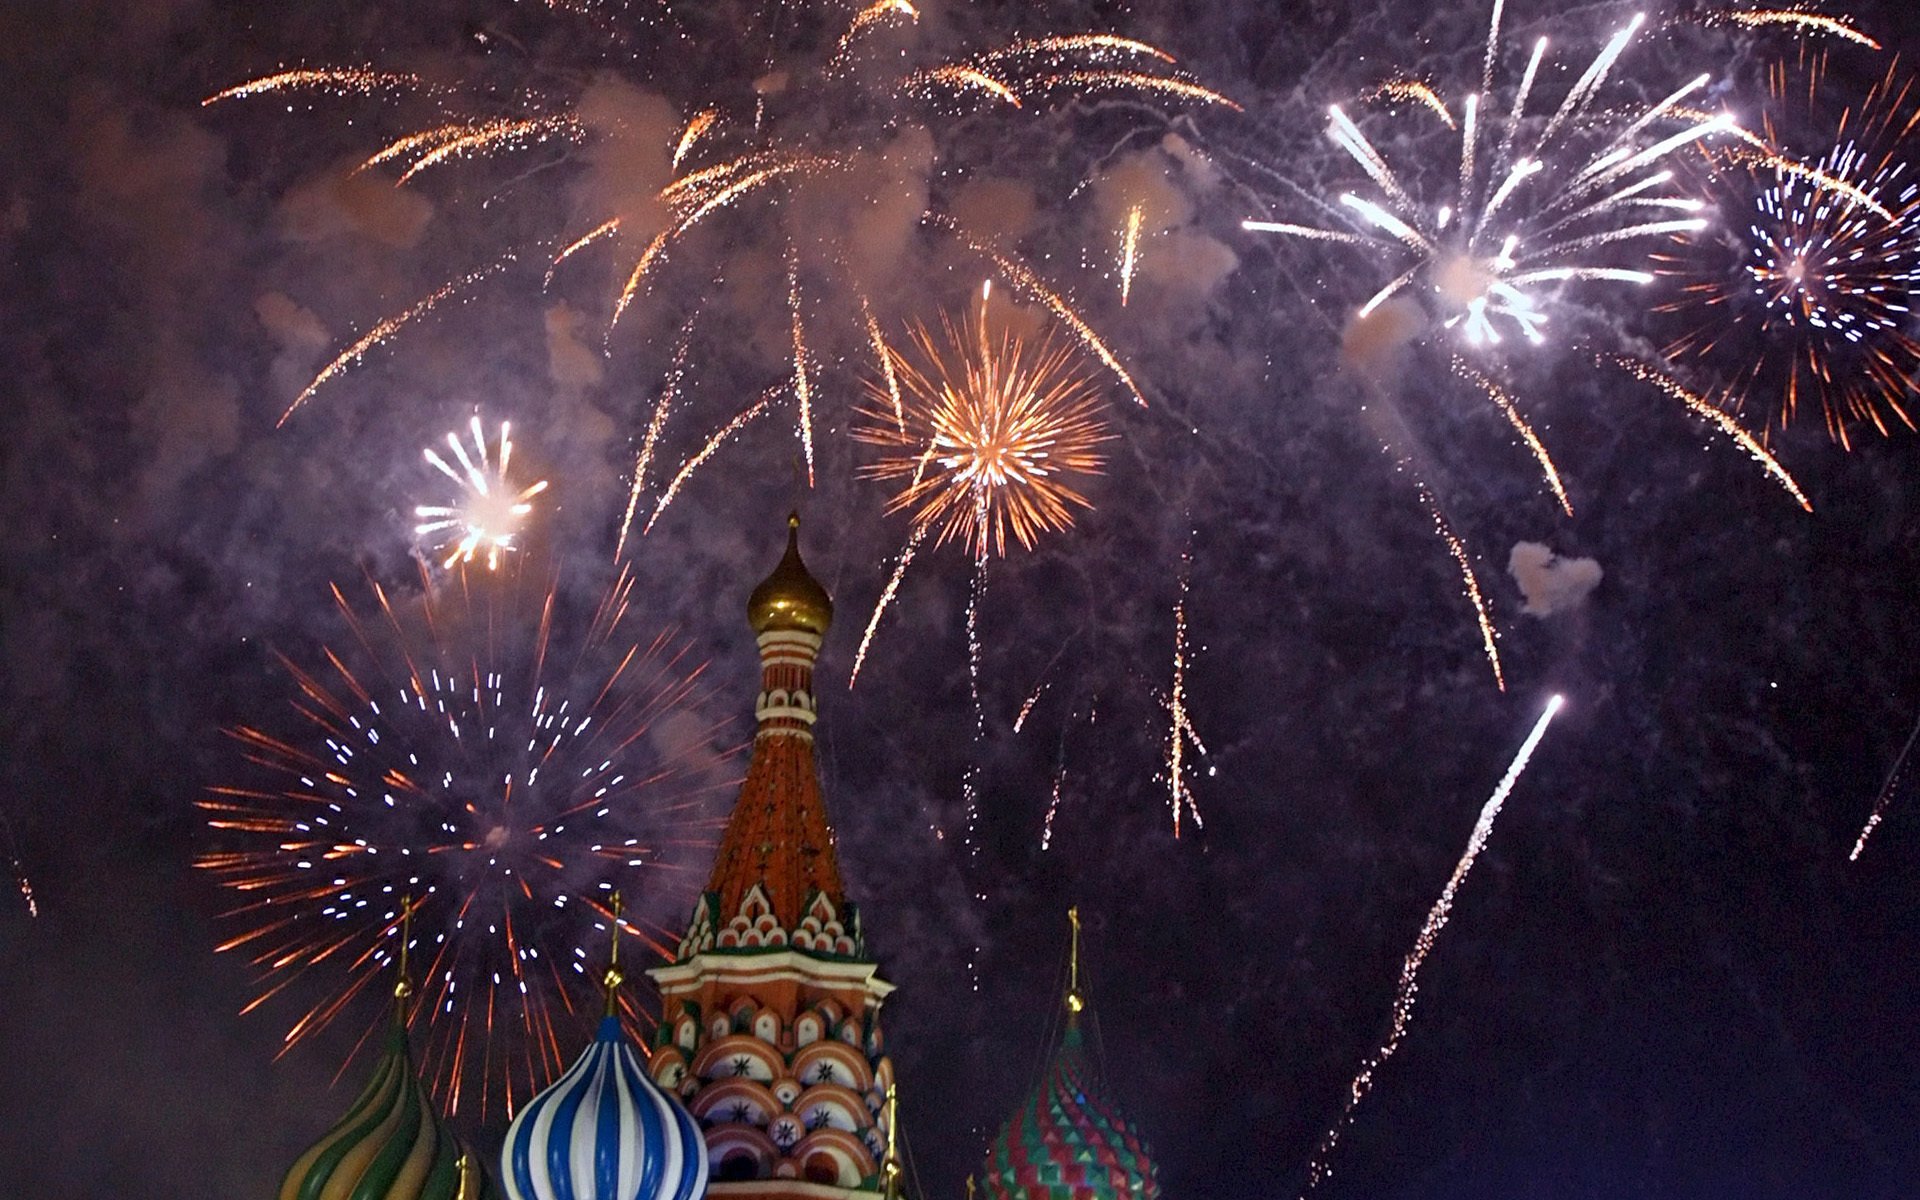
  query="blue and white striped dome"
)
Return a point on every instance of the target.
[{"x": 604, "y": 1131}]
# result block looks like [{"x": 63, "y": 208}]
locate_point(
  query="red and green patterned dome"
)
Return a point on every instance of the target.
[{"x": 1066, "y": 1143}]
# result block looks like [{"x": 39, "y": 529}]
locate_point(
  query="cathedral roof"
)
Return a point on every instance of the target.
[
  {"x": 391, "y": 1145},
  {"x": 1067, "y": 1143}
]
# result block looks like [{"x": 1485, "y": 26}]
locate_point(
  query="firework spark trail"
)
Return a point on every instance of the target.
[
  {"x": 1097, "y": 43},
  {"x": 1797, "y": 20},
  {"x": 1053, "y": 800},
  {"x": 1706, "y": 409},
  {"x": 802, "y": 390},
  {"x": 970, "y": 779},
  {"x": 1411, "y": 91},
  {"x": 886, "y": 597},
  {"x": 885, "y": 358},
  {"x": 1504, "y": 402},
  {"x": 445, "y": 762},
  {"x": 1089, "y": 81},
  {"x": 697, "y": 126},
  {"x": 1180, "y": 731},
  {"x": 1408, "y": 989},
  {"x": 669, "y": 395},
  {"x": 1471, "y": 582},
  {"x": 707, "y": 451},
  {"x": 1129, "y": 251},
  {"x": 961, "y": 78},
  {"x": 389, "y": 326},
  {"x": 490, "y": 136},
  {"x": 337, "y": 81},
  {"x": 1887, "y": 790},
  {"x": 1026, "y": 709},
  {"x": 1821, "y": 180},
  {"x": 605, "y": 229},
  {"x": 865, "y": 19},
  {"x": 489, "y": 511},
  {"x": 1306, "y": 232},
  {"x": 1024, "y": 279}
]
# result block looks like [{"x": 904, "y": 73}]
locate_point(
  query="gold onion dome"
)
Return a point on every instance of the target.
[
  {"x": 391, "y": 1145},
  {"x": 790, "y": 598}
]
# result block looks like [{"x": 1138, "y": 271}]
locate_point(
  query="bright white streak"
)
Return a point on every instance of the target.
[
  {"x": 1409, "y": 988},
  {"x": 1302, "y": 231}
]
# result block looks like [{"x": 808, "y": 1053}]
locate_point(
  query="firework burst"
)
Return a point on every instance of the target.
[
  {"x": 1532, "y": 198},
  {"x": 1805, "y": 283},
  {"x": 491, "y": 509},
  {"x": 995, "y": 433},
  {"x": 787, "y": 133},
  {"x": 454, "y": 752}
]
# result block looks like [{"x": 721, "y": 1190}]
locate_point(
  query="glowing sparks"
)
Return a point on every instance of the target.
[
  {"x": 1701, "y": 407},
  {"x": 669, "y": 395},
  {"x": 1134, "y": 81},
  {"x": 1807, "y": 294},
  {"x": 996, "y": 433},
  {"x": 443, "y": 754},
  {"x": 1505, "y": 404},
  {"x": 1026, "y": 281},
  {"x": 1129, "y": 253},
  {"x": 1469, "y": 581},
  {"x": 1797, "y": 20},
  {"x": 1097, "y": 44},
  {"x": 490, "y": 511},
  {"x": 1181, "y": 734},
  {"x": 960, "y": 77},
  {"x": 697, "y": 126},
  {"x": 1408, "y": 990},
  {"x": 20, "y": 879},
  {"x": 802, "y": 388},
  {"x": 389, "y": 326},
  {"x": 873, "y": 14},
  {"x": 493, "y": 136},
  {"x": 336, "y": 81},
  {"x": 887, "y": 595},
  {"x": 712, "y": 447},
  {"x": 1886, "y": 794},
  {"x": 1509, "y": 218},
  {"x": 1412, "y": 91}
]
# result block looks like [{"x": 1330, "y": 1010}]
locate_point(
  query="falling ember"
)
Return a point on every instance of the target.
[
  {"x": 887, "y": 594},
  {"x": 1023, "y": 278},
  {"x": 442, "y": 753},
  {"x": 739, "y": 422},
  {"x": 669, "y": 396},
  {"x": 389, "y": 326},
  {"x": 1471, "y": 583},
  {"x": 1798, "y": 20},
  {"x": 1887, "y": 790},
  {"x": 1026, "y": 709},
  {"x": 996, "y": 432},
  {"x": 1412, "y": 91},
  {"x": 1701, "y": 407},
  {"x": 1408, "y": 989},
  {"x": 1180, "y": 731},
  {"x": 337, "y": 81},
  {"x": 1129, "y": 251},
  {"x": 490, "y": 511},
  {"x": 1508, "y": 409}
]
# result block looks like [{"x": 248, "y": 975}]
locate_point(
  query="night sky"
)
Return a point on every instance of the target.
[{"x": 1664, "y": 978}]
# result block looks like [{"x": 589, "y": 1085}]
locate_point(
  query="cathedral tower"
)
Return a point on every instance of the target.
[{"x": 770, "y": 1010}]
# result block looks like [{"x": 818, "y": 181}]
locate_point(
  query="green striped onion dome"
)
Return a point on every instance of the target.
[
  {"x": 1066, "y": 1143},
  {"x": 391, "y": 1145}
]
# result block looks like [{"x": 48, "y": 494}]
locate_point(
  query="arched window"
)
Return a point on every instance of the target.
[
  {"x": 737, "y": 1166},
  {"x": 822, "y": 1168}
]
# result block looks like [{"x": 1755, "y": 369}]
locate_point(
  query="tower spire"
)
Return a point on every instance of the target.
[
  {"x": 1075, "y": 1001},
  {"x": 613, "y": 978}
]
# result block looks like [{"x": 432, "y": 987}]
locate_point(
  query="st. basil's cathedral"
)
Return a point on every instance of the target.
[{"x": 767, "y": 1076}]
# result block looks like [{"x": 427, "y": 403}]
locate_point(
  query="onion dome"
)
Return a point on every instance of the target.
[
  {"x": 1066, "y": 1143},
  {"x": 604, "y": 1131},
  {"x": 391, "y": 1145},
  {"x": 790, "y": 598}
]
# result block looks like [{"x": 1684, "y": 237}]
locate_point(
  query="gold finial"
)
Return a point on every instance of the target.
[
  {"x": 969, "y": 1187},
  {"x": 1075, "y": 1002},
  {"x": 469, "y": 1188},
  {"x": 403, "y": 987},
  {"x": 893, "y": 1133},
  {"x": 614, "y": 978}
]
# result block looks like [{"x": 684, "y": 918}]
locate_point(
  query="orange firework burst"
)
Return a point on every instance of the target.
[
  {"x": 443, "y": 754},
  {"x": 996, "y": 431}
]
